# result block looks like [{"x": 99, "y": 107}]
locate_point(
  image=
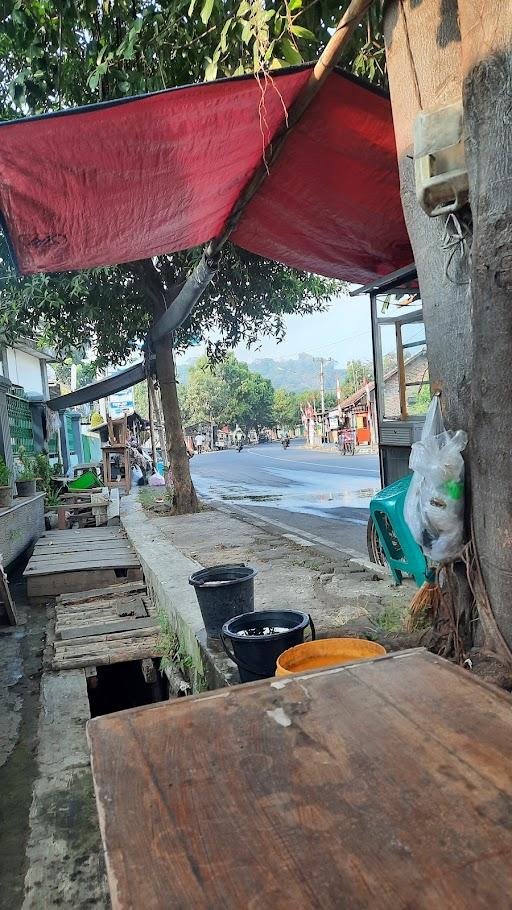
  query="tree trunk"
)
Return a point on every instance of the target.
[
  {"x": 423, "y": 52},
  {"x": 486, "y": 29},
  {"x": 185, "y": 497},
  {"x": 423, "y": 58}
]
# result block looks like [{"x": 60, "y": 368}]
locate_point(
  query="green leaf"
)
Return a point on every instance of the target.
[
  {"x": 93, "y": 80},
  {"x": 243, "y": 9},
  {"x": 206, "y": 11},
  {"x": 239, "y": 71},
  {"x": 277, "y": 64},
  {"x": 135, "y": 29},
  {"x": 247, "y": 32},
  {"x": 223, "y": 36},
  {"x": 294, "y": 4},
  {"x": 210, "y": 72},
  {"x": 289, "y": 52},
  {"x": 191, "y": 7},
  {"x": 302, "y": 32}
]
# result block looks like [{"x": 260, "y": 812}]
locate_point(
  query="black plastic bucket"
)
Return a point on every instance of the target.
[
  {"x": 223, "y": 592},
  {"x": 255, "y": 647}
]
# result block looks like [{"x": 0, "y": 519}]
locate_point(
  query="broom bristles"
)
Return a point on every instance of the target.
[{"x": 423, "y": 606}]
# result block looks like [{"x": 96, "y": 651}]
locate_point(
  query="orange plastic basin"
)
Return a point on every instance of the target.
[{"x": 326, "y": 652}]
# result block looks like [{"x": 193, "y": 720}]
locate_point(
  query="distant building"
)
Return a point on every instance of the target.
[{"x": 359, "y": 409}]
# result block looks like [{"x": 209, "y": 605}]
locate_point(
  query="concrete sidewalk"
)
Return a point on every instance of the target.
[{"x": 343, "y": 596}]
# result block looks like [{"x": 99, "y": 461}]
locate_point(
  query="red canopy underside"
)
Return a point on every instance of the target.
[{"x": 160, "y": 173}]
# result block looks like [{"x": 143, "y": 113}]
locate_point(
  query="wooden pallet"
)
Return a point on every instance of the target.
[
  {"x": 67, "y": 561},
  {"x": 105, "y": 626}
]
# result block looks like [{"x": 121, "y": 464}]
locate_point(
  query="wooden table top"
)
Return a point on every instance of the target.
[{"x": 386, "y": 784}]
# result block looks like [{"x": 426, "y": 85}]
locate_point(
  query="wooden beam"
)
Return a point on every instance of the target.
[{"x": 401, "y": 372}]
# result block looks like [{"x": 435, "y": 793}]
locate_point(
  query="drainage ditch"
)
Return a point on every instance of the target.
[{"x": 119, "y": 686}]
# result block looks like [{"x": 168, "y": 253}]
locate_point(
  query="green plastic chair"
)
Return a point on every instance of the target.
[{"x": 403, "y": 554}]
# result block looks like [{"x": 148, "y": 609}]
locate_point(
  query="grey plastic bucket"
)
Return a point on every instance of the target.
[{"x": 222, "y": 593}]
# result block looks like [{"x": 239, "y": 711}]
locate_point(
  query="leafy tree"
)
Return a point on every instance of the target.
[
  {"x": 313, "y": 397},
  {"x": 227, "y": 392},
  {"x": 85, "y": 372},
  {"x": 55, "y": 55},
  {"x": 286, "y": 409},
  {"x": 140, "y": 399}
]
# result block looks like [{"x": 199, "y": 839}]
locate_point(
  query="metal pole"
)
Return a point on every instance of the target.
[{"x": 322, "y": 398}]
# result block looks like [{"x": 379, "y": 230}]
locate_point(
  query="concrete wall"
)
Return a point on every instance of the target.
[
  {"x": 20, "y": 526},
  {"x": 25, "y": 370}
]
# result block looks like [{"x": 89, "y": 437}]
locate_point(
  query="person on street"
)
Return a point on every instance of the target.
[
  {"x": 239, "y": 438},
  {"x": 199, "y": 443}
]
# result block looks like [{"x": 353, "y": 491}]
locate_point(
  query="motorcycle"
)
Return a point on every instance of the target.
[
  {"x": 239, "y": 446},
  {"x": 285, "y": 443},
  {"x": 347, "y": 444}
]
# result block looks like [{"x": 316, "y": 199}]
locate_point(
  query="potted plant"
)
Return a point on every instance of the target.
[
  {"x": 26, "y": 478},
  {"x": 5, "y": 486}
]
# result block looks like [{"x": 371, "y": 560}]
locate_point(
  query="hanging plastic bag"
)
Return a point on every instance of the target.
[{"x": 434, "y": 505}]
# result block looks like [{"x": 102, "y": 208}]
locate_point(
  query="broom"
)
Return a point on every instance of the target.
[{"x": 425, "y": 603}]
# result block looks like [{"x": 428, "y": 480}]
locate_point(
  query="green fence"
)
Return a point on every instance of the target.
[{"x": 20, "y": 421}]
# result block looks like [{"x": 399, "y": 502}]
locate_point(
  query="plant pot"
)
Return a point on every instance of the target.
[
  {"x": 5, "y": 497},
  {"x": 222, "y": 593},
  {"x": 26, "y": 487}
]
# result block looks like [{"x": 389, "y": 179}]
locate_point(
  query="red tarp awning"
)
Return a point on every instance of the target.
[{"x": 135, "y": 178}]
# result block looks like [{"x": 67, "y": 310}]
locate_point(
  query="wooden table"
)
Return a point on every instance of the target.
[{"x": 386, "y": 784}]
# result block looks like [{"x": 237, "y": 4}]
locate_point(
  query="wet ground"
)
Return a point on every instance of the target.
[
  {"x": 324, "y": 493},
  {"x": 21, "y": 658}
]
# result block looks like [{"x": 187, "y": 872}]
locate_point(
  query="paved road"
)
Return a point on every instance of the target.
[{"x": 323, "y": 493}]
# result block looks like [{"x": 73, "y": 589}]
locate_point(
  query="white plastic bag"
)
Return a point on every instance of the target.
[{"x": 434, "y": 505}]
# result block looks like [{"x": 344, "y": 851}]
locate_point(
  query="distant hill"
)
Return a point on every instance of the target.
[{"x": 298, "y": 374}]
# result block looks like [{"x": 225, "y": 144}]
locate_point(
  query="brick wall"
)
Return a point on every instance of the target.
[{"x": 20, "y": 526}]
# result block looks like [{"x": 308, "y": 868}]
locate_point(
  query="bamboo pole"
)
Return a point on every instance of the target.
[{"x": 348, "y": 23}]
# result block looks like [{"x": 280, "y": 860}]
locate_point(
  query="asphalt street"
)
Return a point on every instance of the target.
[{"x": 323, "y": 493}]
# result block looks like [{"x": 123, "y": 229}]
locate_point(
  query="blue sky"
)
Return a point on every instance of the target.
[{"x": 343, "y": 333}]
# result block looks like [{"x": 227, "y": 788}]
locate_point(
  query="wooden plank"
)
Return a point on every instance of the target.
[
  {"x": 106, "y": 627},
  {"x": 124, "y": 607},
  {"x": 84, "y": 556},
  {"x": 104, "y": 593},
  {"x": 43, "y": 549},
  {"x": 45, "y": 587},
  {"x": 145, "y": 649},
  {"x": 381, "y": 785},
  {"x": 67, "y": 562},
  {"x": 100, "y": 639},
  {"x": 55, "y": 567},
  {"x": 92, "y": 534}
]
